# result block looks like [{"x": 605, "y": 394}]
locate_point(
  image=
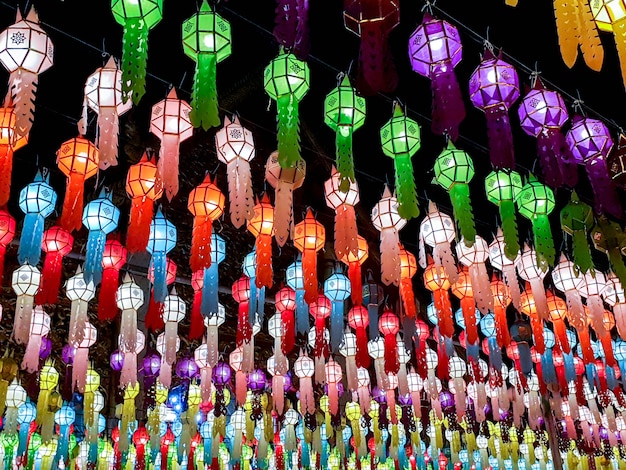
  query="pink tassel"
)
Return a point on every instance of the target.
[
  {"x": 168, "y": 164},
  {"x": 128, "y": 374},
  {"x": 390, "y": 256},
  {"x": 165, "y": 374},
  {"x": 108, "y": 133},
  {"x": 241, "y": 387},
  {"x": 79, "y": 369},
  {"x": 30, "y": 362}
]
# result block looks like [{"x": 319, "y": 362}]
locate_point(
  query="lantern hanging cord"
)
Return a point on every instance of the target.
[{"x": 428, "y": 6}]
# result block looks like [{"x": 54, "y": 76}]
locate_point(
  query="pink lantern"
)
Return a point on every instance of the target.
[
  {"x": 343, "y": 202},
  {"x": 39, "y": 327},
  {"x": 57, "y": 243},
  {"x": 388, "y": 222},
  {"x": 81, "y": 356}
]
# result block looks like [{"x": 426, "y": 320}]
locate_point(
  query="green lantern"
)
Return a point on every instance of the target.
[
  {"x": 286, "y": 80},
  {"x": 206, "y": 39},
  {"x": 535, "y": 202},
  {"x": 137, "y": 17},
  {"x": 454, "y": 169},
  {"x": 577, "y": 220},
  {"x": 609, "y": 238},
  {"x": 400, "y": 139},
  {"x": 502, "y": 188},
  {"x": 344, "y": 112}
]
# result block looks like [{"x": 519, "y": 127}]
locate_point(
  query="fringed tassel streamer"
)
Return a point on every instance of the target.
[
  {"x": 544, "y": 244},
  {"x": 405, "y": 187},
  {"x": 50, "y": 278},
  {"x": 309, "y": 273},
  {"x": 377, "y": 72},
  {"x": 108, "y": 134},
  {"x": 547, "y": 147},
  {"x": 390, "y": 256},
  {"x": 408, "y": 297},
  {"x": 346, "y": 233},
  {"x": 500, "y": 138},
  {"x": 345, "y": 160},
  {"x": 29, "y": 249},
  {"x": 159, "y": 273},
  {"x": 201, "y": 243},
  {"x": 107, "y": 305},
  {"x": 442, "y": 256},
  {"x": 462, "y": 207},
  {"x": 93, "y": 256},
  {"x": 168, "y": 164},
  {"x": 264, "y": 273},
  {"x": 448, "y": 110},
  {"x": 23, "y": 89},
  {"x": 134, "y": 59},
  {"x": 356, "y": 283},
  {"x": 444, "y": 311},
  {"x": 336, "y": 325},
  {"x": 210, "y": 285},
  {"x": 141, "y": 215},
  {"x": 240, "y": 194},
  {"x": 204, "y": 110},
  {"x": 605, "y": 196},
  {"x": 288, "y": 130},
  {"x": 6, "y": 169},
  {"x": 283, "y": 212}
]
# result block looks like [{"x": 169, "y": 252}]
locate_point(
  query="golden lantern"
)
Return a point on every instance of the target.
[
  {"x": 10, "y": 141},
  {"x": 309, "y": 238},
  {"x": 261, "y": 225}
]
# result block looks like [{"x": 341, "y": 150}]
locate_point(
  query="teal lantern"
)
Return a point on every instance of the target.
[
  {"x": 502, "y": 187},
  {"x": 337, "y": 290},
  {"x": 535, "y": 202},
  {"x": 162, "y": 240},
  {"x": 344, "y": 112},
  {"x": 210, "y": 286},
  {"x": 294, "y": 278},
  {"x": 400, "y": 139},
  {"x": 286, "y": 80},
  {"x": 454, "y": 169},
  {"x": 137, "y": 17},
  {"x": 206, "y": 39}
]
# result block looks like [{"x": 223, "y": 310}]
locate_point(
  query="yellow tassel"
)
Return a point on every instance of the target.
[
  {"x": 568, "y": 29},
  {"x": 511, "y": 3},
  {"x": 619, "y": 33},
  {"x": 590, "y": 43}
]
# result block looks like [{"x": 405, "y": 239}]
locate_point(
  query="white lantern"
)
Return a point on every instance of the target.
[
  {"x": 80, "y": 293},
  {"x": 39, "y": 327},
  {"x": 388, "y": 222},
  {"x": 438, "y": 231},
  {"x": 25, "y": 282}
]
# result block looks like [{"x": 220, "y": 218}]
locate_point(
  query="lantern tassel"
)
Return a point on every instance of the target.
[
  {"x": 288, "y": 131},
  {"x": 240, "y": 195},
  {"x": 444, "y": 309},
  {"x": 204, "y": 111},
  {"x": 500, "y": 138},
  {"x": 356, "y": 283},
  {"x": 405, "y": 187},
  {"x": 264, "y": 273},
  {"x": 408, "y": 297},
  {"x": 509, "y": 228},
  {"x": 30, "y": 362},
  {"x": 107, "y": 305},
  {"x": 201, "y": 243},
  {"x": 309, "y": 273},
  {"x": 153, "y": 320},
  {"x": 302, "y": 313},
  {"x": 605, "y": 196},
  {"x": 196, "y": 330},
  {"x": 448, "y": 110},
  {"x": 377, "y": 72},
  {"x": 362, "y": 354},
  {"x": 6, "y": 168},
  {"x": 560, "y": 332},
  {"x": 171, "y": 335},
  {"x": 23, "y": 314},
  {"x": 168, "y": 164},
  {"x": 209, "y": 291},
  {"x": 469, "y": 315},
  {"x": 108, "y": 133},
  {"x": 50, "y": 278},
  {"x": 510, "y": 278},
  {"x": 134, "y": 59},
  {"x": 3, "y": 251},
  {"x": 79, "y": 369},
  {"x": 128, "y": 374},
  {"x": 159, "y": 272},
  {"x": 390, "y": 256},
  {"x": 71, "y": 217},
  {"x": 23, "y": 86},
  {"x": 392, "y": 362},
  {"x": 544, "y": 244},
  {"x": 141, "y": 215},
  {"x": 617, "y": 264},
  {"x": 567, "y": 26},
  {"x": 502, "y": 330},
  {"x": 29, "y": 250},
  {"x": 590, "y": 43},
  {"x": 481, "y": 287},
  {"x": 93, "y": 258},
  {"x": 346, "y": 233},
  {"x": 581, "y": 251},
  {"x": 547, "y": 143},
  {"x": 78, "y": 320},
  {"x": 442, "y": 256},
  {"x": 460, "y": 198},
  {"x": 336, "y": 326},
  {"x": 128, "y": 331},
  {"x": 283, "y": 212},
  {"x": 345, "y": 159},
  {"x": 289, "y": 331}
]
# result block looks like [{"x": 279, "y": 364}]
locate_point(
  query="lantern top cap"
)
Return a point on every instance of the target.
[
  {"x": 386, "y": 192},
  {"x": 171, "y": 95},
  {"x": 111, "y": 63},
  {"x": 205, "y": 7},
  {"x": 31, "y": 15}
]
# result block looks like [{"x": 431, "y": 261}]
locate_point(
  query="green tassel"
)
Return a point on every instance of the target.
[
  {"x": 134, "y": 59},
  {"x": 544, "y": 245},
  {"x": 405, "y": 187},
  {"x": 617, "y": 265},
  {"x": 462, "y": 206},
  {"x": 345, "y": 162},
  {"x": 288, "y": 135},
  {"x": 509, "y": 229},
  {"x": 204, "y": 110},
  {"x": 582, "y": 252}
]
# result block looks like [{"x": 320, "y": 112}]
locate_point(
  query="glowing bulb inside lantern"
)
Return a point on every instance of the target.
[
  {"x": 209, "y": 41},
  {"x": 171, "y": 125},
  {"x": 436, "y": 44},
  {"x": 492, "y": 77}
]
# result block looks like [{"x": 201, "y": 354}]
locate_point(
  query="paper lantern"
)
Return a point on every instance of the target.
[
  {"x": 25, "y": 51},
  {"x": 36, "y": 201},
  {"x": 39, "y": 327},
  {"x": 210, "y": 283},
  {"x": 206, "y": 40},
  {"x": 79, "y": 291},
  {"x": 343, "y": 202},
  {"x": 286, "y": 80},
  {"x": 337, "y": 289},
  {"x": 354, "y": 263},
  {"x": 234, "y": 146},
  {"x": 113, "y": 259},
  {"x": 7, "y": 232},
  {"x": 64, "y": 417},
  {"x": 590, "y": 142},
  {"x": 81, "y": 356},
  {"x": 408, "y": 269},
  {"x": 610, "y": 16},
  {"x": 373, "y": 21},
  {"x": 57, "y": 243},
  {"x": 535, "y": 201},
  {"x": 144, "y": 186},
  {"x": 435, "y": 49},
  {"x": 463, "y": 290},
  {"x": 10, "y": 141},
  {"x": 388, "y": 222},
  {"x": 262, "y": 227},
  {"x": 581, "y": 32},
  {"x": 173, "y": 312},
  {"x": 530, "y": 271},
  {"x": 400, "y": 139},
  {"x": 436, "y": 280},
  {"x": 137, "y": 18},
  {"x": 320, "y": 310},
  {"x": 528, "y": 306},
  {"x": 170, "y": 122},
  {"x": 500, "y": 260},
  {"x": 348, "y": 349},
  {"x": 163, "y": 235},
  {"x": 577, "y": 220},
  {"x": 557, "y": 311},
  {"x": 609, "y": 238},
  {"x": 129, "y": 298},
  {"x": 502, "y": 188},
  {"x": 494, "y": 88},
  {"x": 309, "y": 238},
  {"x": 437, "y": 231},
  {"x": 15, "y": 397},
  {"x": 284, "y": 181},
  {"x": 25, "y": 282},
  {"x": 474, "y": 258}
]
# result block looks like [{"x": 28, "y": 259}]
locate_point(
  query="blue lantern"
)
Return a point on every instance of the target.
[
  {"x": 295, "y": 280},
  {"x": 488, "y": 327},
  {"x": 100, "y": 216},
  {"x": 206, "y": 432},
  {"x": 161, "y": 241},
  {"x": 25, "y": 415},
  {"x": 37, "y": 201},
  {"x": 337, "y": 289},
  {"x": 64, "y": 417},
  {"x": 210, "y": 305},
  {"x": 458, "y": 316},
  {"x": 548, "y": 338},
  {"x": 256, "y": 303},
  {"x": 431, "y": 314}
]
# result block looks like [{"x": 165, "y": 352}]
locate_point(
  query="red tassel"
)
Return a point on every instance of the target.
[
  {"x": 264, "y": 273},
  {"x": 443, "y": 307},
  {"x": 469, "y": 315},
  {"x": 72, "y": 215},
  {"x": 408, "y": 297},
  {"x": 356, "y": 283},
  {"x": 561, "y": 334},
  {"x": 362, "y": 353},
  {"x": 502, "y": 329},
  {"x": 537, "y": 327},
  {"x": 154, "y": 320},
  {"x": 585, "y": 345},
  {"x": 309, "y": 273},
  {"x": 608, "y": 349},
  {"x": 141, "y": 215},
  {"x": 201, "y": 243},
  {"x": 107, "y": 305},
  {"x": 289, "y": 331},
  {"x": 443, "y": 371},
  {"x": 244, "y": 331},
  {"x": 320, "y": 342},
  {"x": 6, "y": 167},
  {"x": 50, "y": 279},
  {"x": 422, "y": 367},
  {"x": 196, "y": 330},
  {"x": 392, "y": 363}
]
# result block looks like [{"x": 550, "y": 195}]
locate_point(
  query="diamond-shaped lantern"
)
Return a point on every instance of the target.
[
  {"x": 162, "y": 240},
  {"x": 388, "y": 222}
]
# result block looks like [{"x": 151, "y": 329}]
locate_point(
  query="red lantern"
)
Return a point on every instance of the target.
[
  {"x": 436, "y": 280},
  {"x": 408, "y": 269},
  {"x": 262, "y": 227},
  {"x": 354, "y": 263},
  {"x": 7, "y": 232},
  {"x": 358, "y": 318},
  {"x": 557, "y": 311},
  {"x": 285, "y": 302},
  {"x": 309, "y": 238},
  {"x": 143, "y": 186},
  {"x": 462, "y": 289},
  {"x": 57, "y": 243},
  {"x": 196, "y": 328},
  {"x": 140, "y": 439},
  {"x": 501, "y": 300},
  {"x": 10, "y": 141},
  {"x": 389, "y": 325},
  {"x": 422, "y": 332},
  {"x": 154, "y": 320},
  {"x": 113, "y": 259}
]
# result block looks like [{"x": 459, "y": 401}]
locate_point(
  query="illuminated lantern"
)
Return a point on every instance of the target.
[
  {"x": 64, "y": 417},
  {"x": 343, "y": 202},
  {"x": 389, "y": 326},
  {"x": 7, "y": 232},
  {"x": 281, "y": 363},
  {"x": 577, "y": 220},
  {"x": 206, "y": 204},
  {"x": 344, "y": 113},
  {"x": 285, "y": 303},
  {"x": 169, "y": 121},
  {"x": 129, "y": 298},
  {"x": 291, "y": 28},
  {"x": 161, "y": 241},
  {"x": 36, "y": 201},
  {"x": 436, "y": 280},
  {"x": 235, "y": 360},
  {"x": 435, "y": 49},
  {"x": 502, "y": 188},
  {"x": 437, "y": 231},
  {"x": 286, "y": 80},
  {"x": 294, "y": 279},
  {"x": 388, "y": 222},
  {"x": 454, "y": 169},
  {"x": 501, "y": 300},
  {"x": 557, "y": 309},
  {"x": 197, "y": 283},
  {"x": 15, "y": 397},
  {"x": 354, "y": 262},
  {"x": 81, "y": 356},
  {"x": 173, "y": 312},
  {"x": 337, "y": 289},
  {"x": 284, "y": 181},
  {"x": 333, "y": 378},
  {"x": 590, "y": 288},
  {"x": 113, "y": 259},
  {"x": 609, "y": 238},
  {"x": 309, "y": 238},
  {"x": 613, "y": 294},
  {"x": 373, "y": 21},
  {"x": 610, "y": 16},
  {"x": 400, "y": 139},
  {"x": 463, "y": 290},
  {"x": 143, "y": 186},
  {"x": 256, "y": 307},
  {"x": 234, "y": 146},
  {"x": 206, "y": 40},
  {"x": 408, "y": 269},
  {"x": 25, "y": 51},
  {"x": 39, "y": 327},
  {"x": 528, "y": 306},
  {"x": 138, "y": 18},
  {"x": 320, "y": 310},
  {"x": 358, "y": 319},
  {"x": 25, "y": 282},
  {"x": 535, "y": 202},
  {"x": 530, "y": 272},
  {"x": 590, "y": 142},
  {"x": 103, "y": 95},
  {"x": 9, "y": 142},
  {"x": 140, "y": 439},
  {"x": 79, "y": 292},
  {"x": 261, "y": 225}
]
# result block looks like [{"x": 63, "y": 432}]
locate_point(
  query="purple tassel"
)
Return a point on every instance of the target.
[
  {"x": 291, "y": 26},
  {"x": 605, "y": 196},
  {"x": 302, "y": 46},
  {"x": 547, "y": 148},
  {"x": 500, "y": 138},
  {"x": 377, "y": 72},
  {"x": 567, "y": 164},
  {"x": 448, "y": 110}
]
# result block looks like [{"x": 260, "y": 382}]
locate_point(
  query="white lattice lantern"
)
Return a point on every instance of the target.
[
  {"x": 388, "y": 222},
  {"x": 533, "y": 274},
  {"x": 437, "y": 230},
  {"x": 567, "y": 281},
  {"x": 474, "y": 258},
  {"x": 15, "y": 397},
  {"x": 39, "y": 327},
  {"x": 81, "y": 356},
  {"x": 613, "y": 294},
  {"x": 25, "y": 282},
  {"x": 80, "y": 293},
  {"x": 129, "y": 298}
]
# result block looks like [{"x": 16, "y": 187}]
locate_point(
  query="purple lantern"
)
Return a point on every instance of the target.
[
  {"x": 446, "y": 399},
  {"x": 67, "y": 354},
  {"x": 151, "y": 364},
  {"x": 257, "y": 381},
  {"x": 434, "y": 50},
  {"x": 542, "y": 113},
  {"x": 291, "y": 26},
  {"x": 187, "y": 369},
  {"x": 117, "y": 360},
  {"x": 590, "y": 142},
  {"x": 46, "y": 347},
  {"x": 494, "y": 87},
  {"x": 221, "y": 374},
  {"x": 405, "y": 400},
  {"x": 379, "y": 395}
]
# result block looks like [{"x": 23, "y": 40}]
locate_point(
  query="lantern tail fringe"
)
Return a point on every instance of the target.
[
  {"x": 93, "y": 257},
  {"x": 392, "y": 362},
  {"x": 345, "y": 159},
  {"x": 2, "y": 255},
  {"x": 153, "y": 320},
  {"x": 442, "y": 256},
  {"x": 481, "y": 287},
  {"x": 30, "y": 362},
  {"x": 469, "y": 315},
  {"x": 582, "y": 253},
  {"x": 71, "y": 216},
  {"x": 171, "y": 337},
  {"x": 6, "y": 168},
  {"x": 405, "y": 187},
  {"x": 29, "y": 250},
  {"x": 168, "y": 164},
  {"x": 21, "y": 323},
  {"x": 50, "y": 278},
  {"x": 128, "y": 331},
  {"x": 605, "y": 196},
  {"x": 462, "y": 206},
  {"x": 23, "y": 89},
  {"x": 389, "y": 256},
  {"x": 165, "y": 374},
  {"x": 500, "y": 138},
  {"x": 544, "y": 244},
  {"x": 78, "y": 320},
  {"x": 590, "y": 43},
  {"x": 159, "y": 274},
  {"x": 448, "y": 110},
  {"x": 336, "y": 326},
  {"x": 264, "y": 273},
  {"x": 568, "y": 29},
  {"x": 509, "y": 228},
  {"x": 134, "y": 59},
  {"x": 302, "y": 45},
  {"x": 537, "y": 326},
  {"x": 408, "y": 297},
  {"x": 205, "y": 112},
  {"x": 107, "y": 305},
  {"x": 79, "y": 369},
  {"x": 617, "y": 265},
  {"x": 241, "y": 196},
  {"x": 286, "y": 22},
  {"x": 362, "y": 355},
  {"x": 502, "y": 331},
  {"x": 585, "y": 345},
  {"x": 141, "y": 215},
  {"x": 560, "y": 332},
  {"x": 289, "y": 331},
  {"x": 283, "y": 212},
  {"x": 377, "y": 72},
  {"x": 547, "y": 149},
  {"x": 309, "y": 274},
  {"x": 346, "y": 232},
  {"x": 288, "y": 130},
  {"x": 196, "y": 329},
  {"x": 128, "y": 374},
  {"x": 201, "y": 243},
  {"x": 108, "y": 133},
  {"x": 444, "y": 310},
  {"x": 356, "y": 283}
]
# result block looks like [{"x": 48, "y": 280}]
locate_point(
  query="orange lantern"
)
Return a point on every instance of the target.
[
  {"x": 408, "y": 269},
  {"x": 436, "y": 280},
  {"x": 557, "y": 312},
  {"x": 10, "y": 141},
  {"x": 113, "y": 259},
  {"x": 501, "y": 300},
  {"x": 78, "y": 159},
  {"x": 143, "y": 186},
  {"x": 206, "y": 203},
  {"x": 57, "y": 243},
  {"x": 462, "y": 289},
  {"x": 261, "y": 225},
  {"x": 354, "y": 263},
  {"x": 309, "y": 238},
  {"x": 528, "y": 307}
]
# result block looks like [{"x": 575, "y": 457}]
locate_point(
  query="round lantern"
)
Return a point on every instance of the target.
[
  {"x": 309, "y": 238},
  {"x": 261, "y": 225},
  {"x": 437, "y": 231},
  {"x": 25, "y": 282},
  {"x": 337, "y": 289},
  {"x": 388, "y": 222},
  {"x": 57, "y": 243}
]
